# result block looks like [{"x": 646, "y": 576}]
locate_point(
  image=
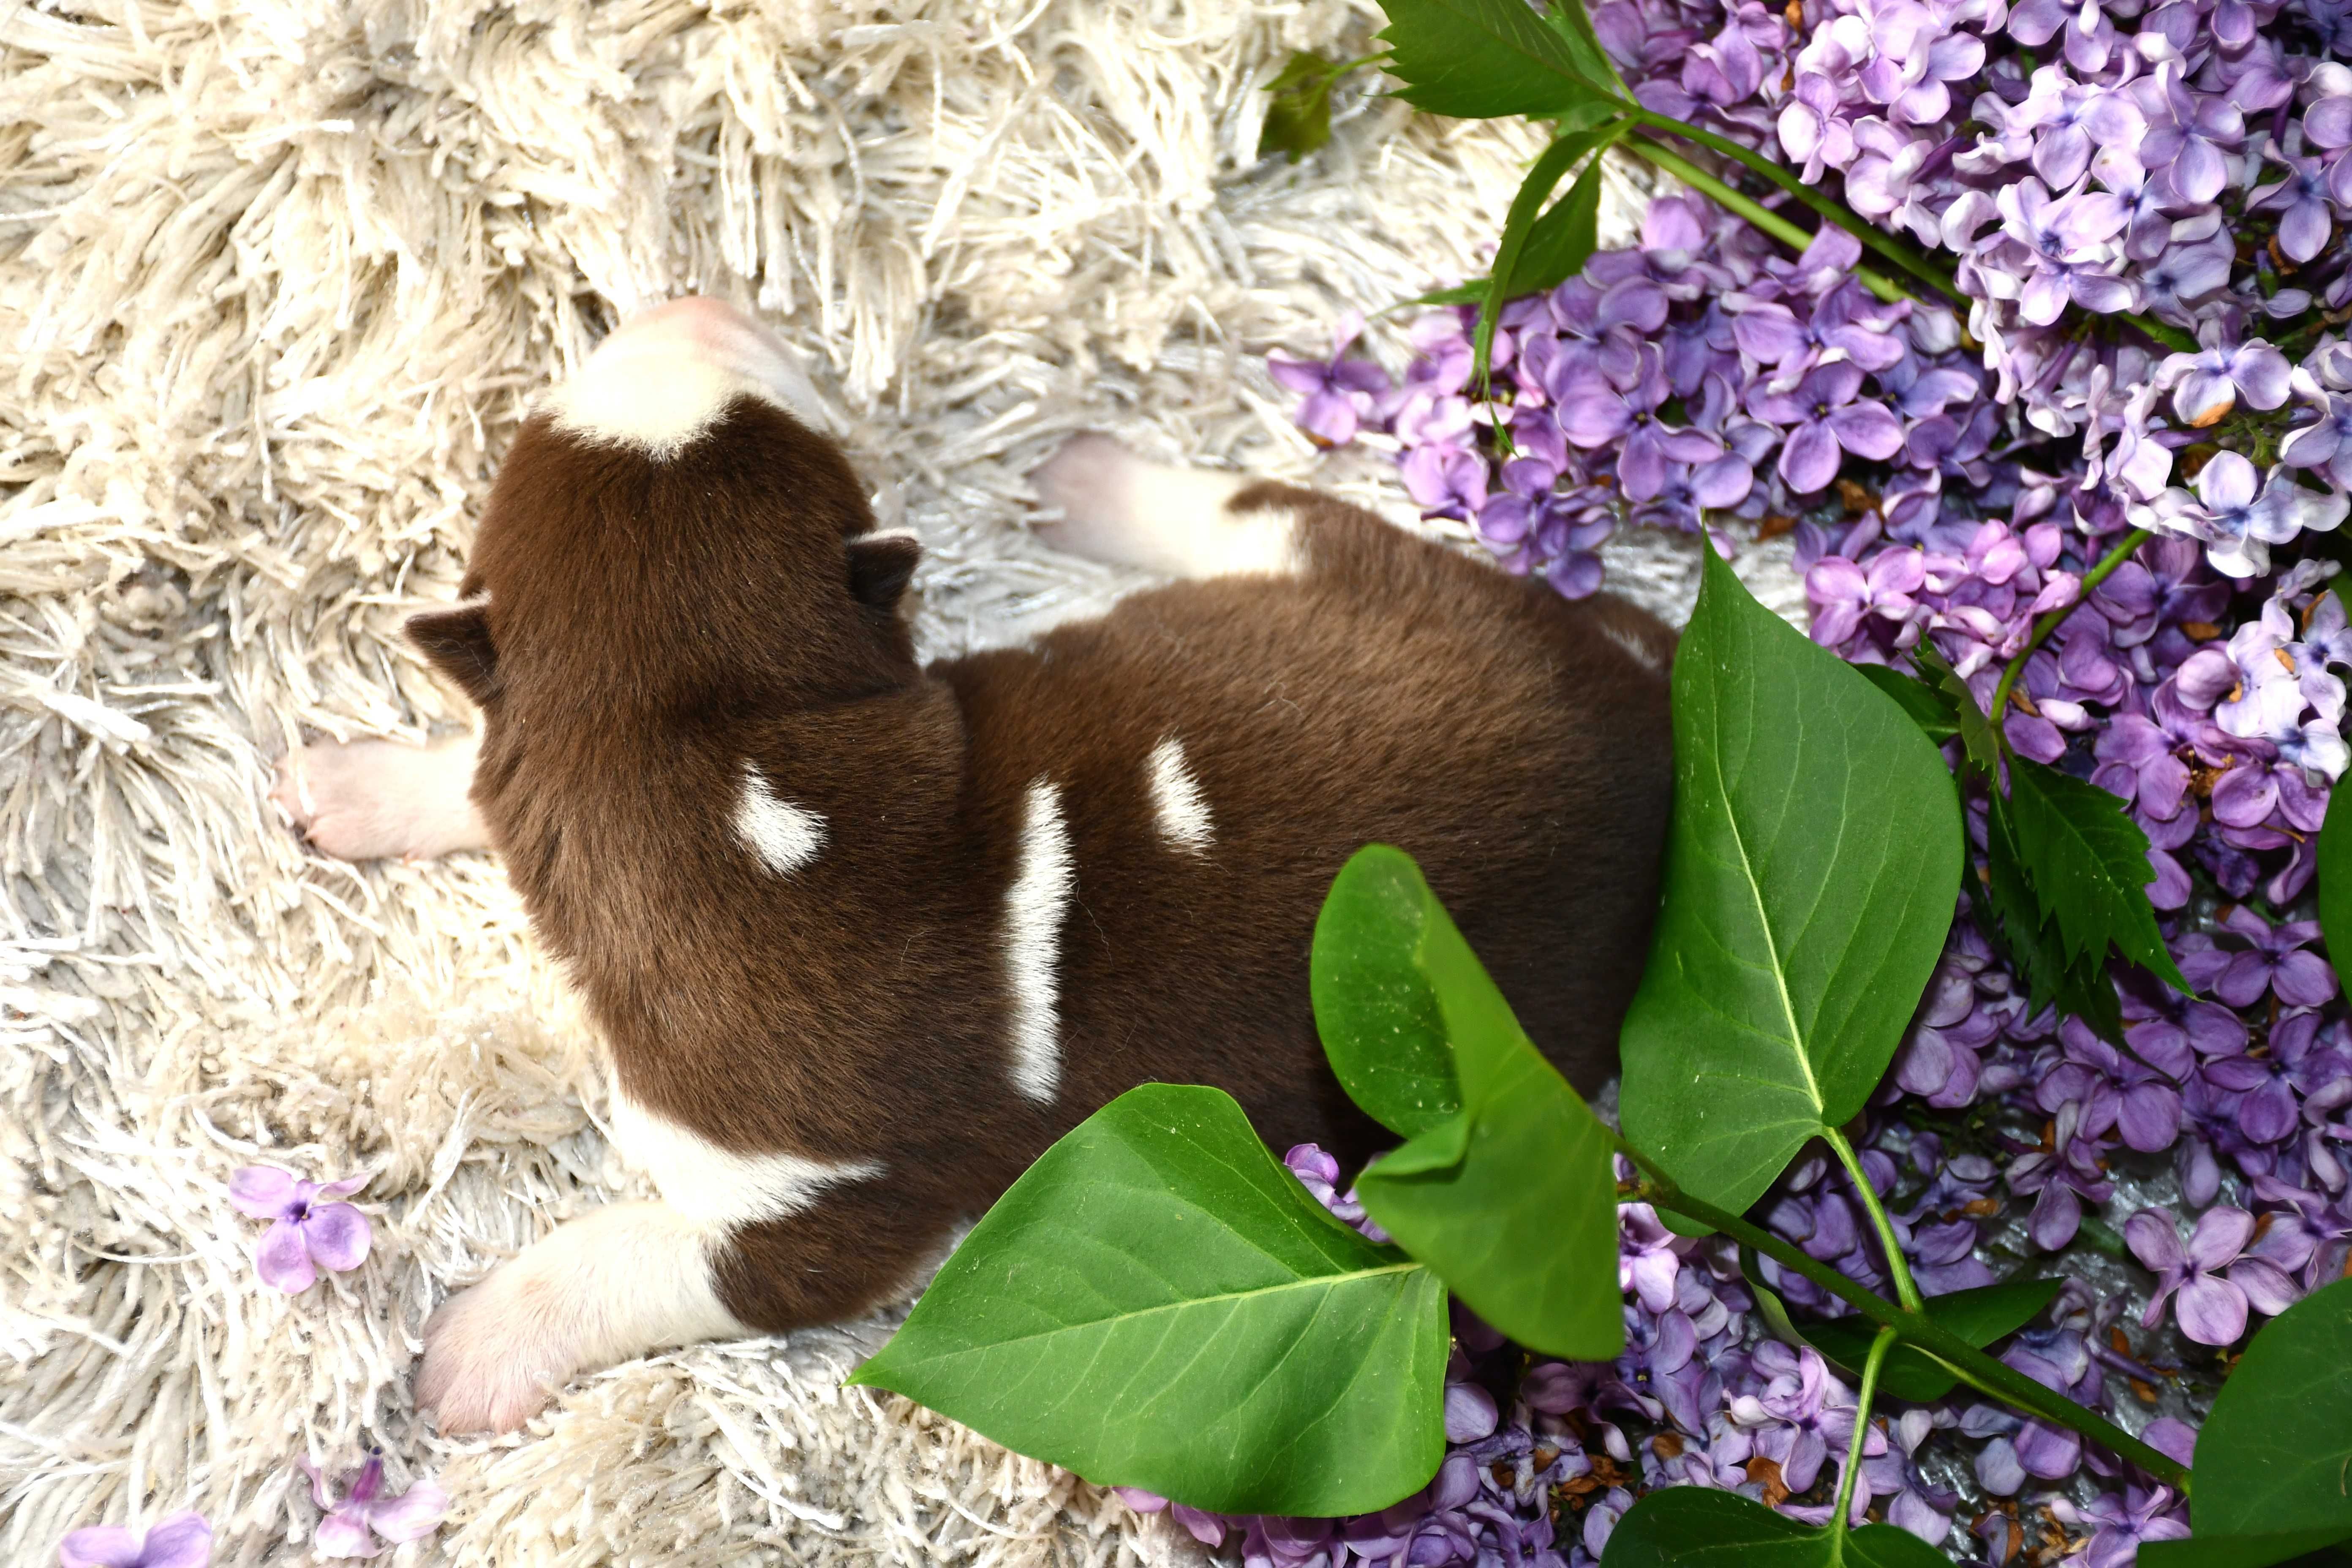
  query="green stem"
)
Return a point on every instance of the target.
[
  {"x": 1878, "y": 1349},
  {"x": 1994, "y": 1378},
  {"x": 1763, "y": 217},
  {"x": 1896, "y": 1264},
  {"x": 2049, "y": 622},
  {"x": 1902, "y": 256},
  {"x": 1919, "y": 265}
]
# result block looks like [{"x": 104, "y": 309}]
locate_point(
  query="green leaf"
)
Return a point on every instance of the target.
[
  {"x": 1375, "y": 1005},
  {"x": 2275, "y": 1459},
  {"x": 1564, "y": 238},
  {"x": 1158, "y": 1303},
  {"x": 2336, "y": 880},
  {"x": 1679, "y": 1525},
  {"x": 1977, "y": 737},
  {"x": 1512, "y": 1199},
  {"x": 1811, "y": 868},
  {"x": 1931, "y": 708},
  {"x": 2089, "y": 863},
  {"x": 1569, "y": 18},
  {"x": 1298, "y": 110},
  {"x": 1978, "y": 1316},
  {"x": 2028, "y": 939},
  {"x": 1484, "y": 58},
  {"x": 2294, "y": 1546},
  {"x": 1534, "y": 191}
]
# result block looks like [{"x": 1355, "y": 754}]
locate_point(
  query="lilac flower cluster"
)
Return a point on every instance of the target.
[
  {"x": 1701, "y": 377},
  {"x": 2187, "y": 160},
  {"x": 2199, "y": 681}
]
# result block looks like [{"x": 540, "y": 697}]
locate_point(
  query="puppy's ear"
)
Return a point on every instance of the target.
[
  {"x": 880, "y": 565},
  {"x": 458, "y": 643}
]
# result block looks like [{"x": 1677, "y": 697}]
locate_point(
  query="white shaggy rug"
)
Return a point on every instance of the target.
[{"x": 275, "y": 281}]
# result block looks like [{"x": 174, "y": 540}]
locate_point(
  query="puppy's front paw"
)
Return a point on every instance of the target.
[
  {"x": 493, "y": 1357},
  {"x": 375, "y": 800}
]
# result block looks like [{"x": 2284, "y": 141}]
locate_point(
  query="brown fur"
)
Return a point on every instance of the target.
[{"x": 652, "y": 624}]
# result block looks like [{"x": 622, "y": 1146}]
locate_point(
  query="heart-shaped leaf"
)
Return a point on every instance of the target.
[
  {"x": 2273, "y": 1476},
  {"x": 1811, "y": 874},
  {"x": 1158, "y": 1303},
  {"x": 1511, "y": 1197},
  {"x": 1682, "y": 1525},
  {"x": 1978, "y": 1316},
  {"x": 1375, "y": 1007}
]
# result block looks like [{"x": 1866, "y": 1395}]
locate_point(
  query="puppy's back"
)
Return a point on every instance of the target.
[{"x": 1221, "y": 746}]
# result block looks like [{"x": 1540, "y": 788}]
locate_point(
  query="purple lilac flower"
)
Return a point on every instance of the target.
[
  {"x": 367, "y": 1519},
  {"x": 2207, "y": 385},
  {"x": 1318, "y": 1173},
  {"x": 2119, "y": 1526},
  {"x": 1822, "y": 417},
  {"x": 1341, "y": 391},
  {"x": 183, "y": 1541},
  {"x": 2212, "y": 1309},
  {"x": 1207, "y": 1529},
  {"x": 307, "y": 1235}
]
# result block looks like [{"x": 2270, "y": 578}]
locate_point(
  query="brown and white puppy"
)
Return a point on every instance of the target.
[{"x": 865, "y": 937}]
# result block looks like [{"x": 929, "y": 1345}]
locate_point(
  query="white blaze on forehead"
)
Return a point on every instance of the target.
[
  {"x": 784, "y": 836},
  {"x": 666, "y": 376},
  {"x": 1033, "y": 908},
  {"x": 1176, "y": 799},
  {"x": 719, "y": 1189}
]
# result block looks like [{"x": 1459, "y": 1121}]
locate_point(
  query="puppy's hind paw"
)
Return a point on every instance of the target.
[
  {"x": 1122, "y": 508},
  {"x": 374, "y": 800}
]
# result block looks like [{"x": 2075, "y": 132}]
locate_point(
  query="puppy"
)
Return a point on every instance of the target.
[{"x": 865, "y": 937}]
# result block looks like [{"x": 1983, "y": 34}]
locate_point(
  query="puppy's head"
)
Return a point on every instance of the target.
[{"x": 671, "y": 528}]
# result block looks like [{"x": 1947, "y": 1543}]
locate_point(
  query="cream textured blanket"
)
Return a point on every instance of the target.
[{"x": 275, "y": 282}]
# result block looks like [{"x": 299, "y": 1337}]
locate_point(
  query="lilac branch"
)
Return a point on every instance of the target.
[{"x": 1995, "y": 1378}]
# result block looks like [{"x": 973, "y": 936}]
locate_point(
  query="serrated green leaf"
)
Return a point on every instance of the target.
[
  {"x": 1811, "y": 868},
  {"x": 1483, "y": 59},
  {"x": 1158, "y": 1303},
  {"x": 1569, "y": 19},
  {"x": 1512, "y": 1199},
  {"x": 2335, "y": 881},
  {"x": 1979, "y": 740},
  {"x": 2089, "y": 866},
  {"x": 1298, "y": 108},
  {"x": 1930, "y": 708},
  {"x": 2275, "y": 1459},
  {"x": 1980, "y": 1316},
  {"x": 2031, "y": 945},
  {"x": 1675, "y": 1526}
]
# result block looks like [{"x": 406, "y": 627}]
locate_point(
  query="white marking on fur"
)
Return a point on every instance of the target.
[
  {"x": 784, "y": 836},
  {"x": 722, "y": 1189},
  {"x": 660, "y": 403},
  {"x": 1033, "y": 908},
  {"x": 1176, "y": 800},
  {"x": 616, "y": 1283},
  {"x": 665, "y": 377},
  {"x": 1643, "y": 654}
]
